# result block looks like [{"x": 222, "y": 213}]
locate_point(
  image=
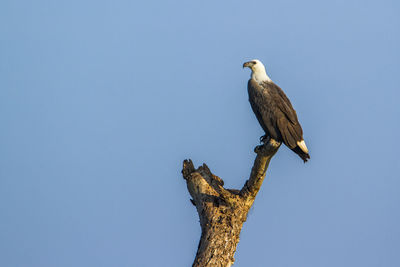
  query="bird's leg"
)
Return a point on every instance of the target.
[{"x": 264, "y": 139}]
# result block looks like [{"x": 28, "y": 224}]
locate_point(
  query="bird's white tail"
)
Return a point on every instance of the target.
[{"x": 302, "y": 146}]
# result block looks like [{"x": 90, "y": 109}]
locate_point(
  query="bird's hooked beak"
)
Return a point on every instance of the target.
[{"x": 248, "y": 64}]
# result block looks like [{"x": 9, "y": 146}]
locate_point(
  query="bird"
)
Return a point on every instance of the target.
[{"x": 274, "y": 111}]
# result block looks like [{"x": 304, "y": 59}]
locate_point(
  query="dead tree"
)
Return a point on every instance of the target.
[{"x": 223, "y": 211}]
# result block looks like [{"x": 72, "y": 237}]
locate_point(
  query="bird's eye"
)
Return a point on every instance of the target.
[{"x": 254, "y": 62}]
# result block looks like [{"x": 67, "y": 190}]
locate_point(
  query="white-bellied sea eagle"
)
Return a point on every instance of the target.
[{"x": 274, "y": 111}]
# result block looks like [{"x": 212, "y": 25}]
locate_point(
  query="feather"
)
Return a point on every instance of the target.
[{"x": 302, "y": 146}]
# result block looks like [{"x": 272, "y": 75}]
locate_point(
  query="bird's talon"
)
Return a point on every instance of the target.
[{"x": 264, "y": 139}]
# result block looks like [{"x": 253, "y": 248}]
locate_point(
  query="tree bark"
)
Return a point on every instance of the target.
[{"x": 223, "y": 211}]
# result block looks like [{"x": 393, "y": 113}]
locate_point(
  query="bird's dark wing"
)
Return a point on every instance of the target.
[
  {"x": 282, "y": 101},
  {"x": 287, "y": 122}
]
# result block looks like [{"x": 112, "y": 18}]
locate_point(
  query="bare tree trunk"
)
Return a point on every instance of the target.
[{"x": 223, "y": 211}]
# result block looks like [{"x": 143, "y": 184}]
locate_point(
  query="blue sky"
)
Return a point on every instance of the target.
[{"x": 100, "y": 102}]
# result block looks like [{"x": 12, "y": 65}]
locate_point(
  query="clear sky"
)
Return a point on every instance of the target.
[{"x": 101, "y": 101}]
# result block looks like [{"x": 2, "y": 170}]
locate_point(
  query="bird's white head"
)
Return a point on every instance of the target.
[{"x": 258, "y": 72}]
